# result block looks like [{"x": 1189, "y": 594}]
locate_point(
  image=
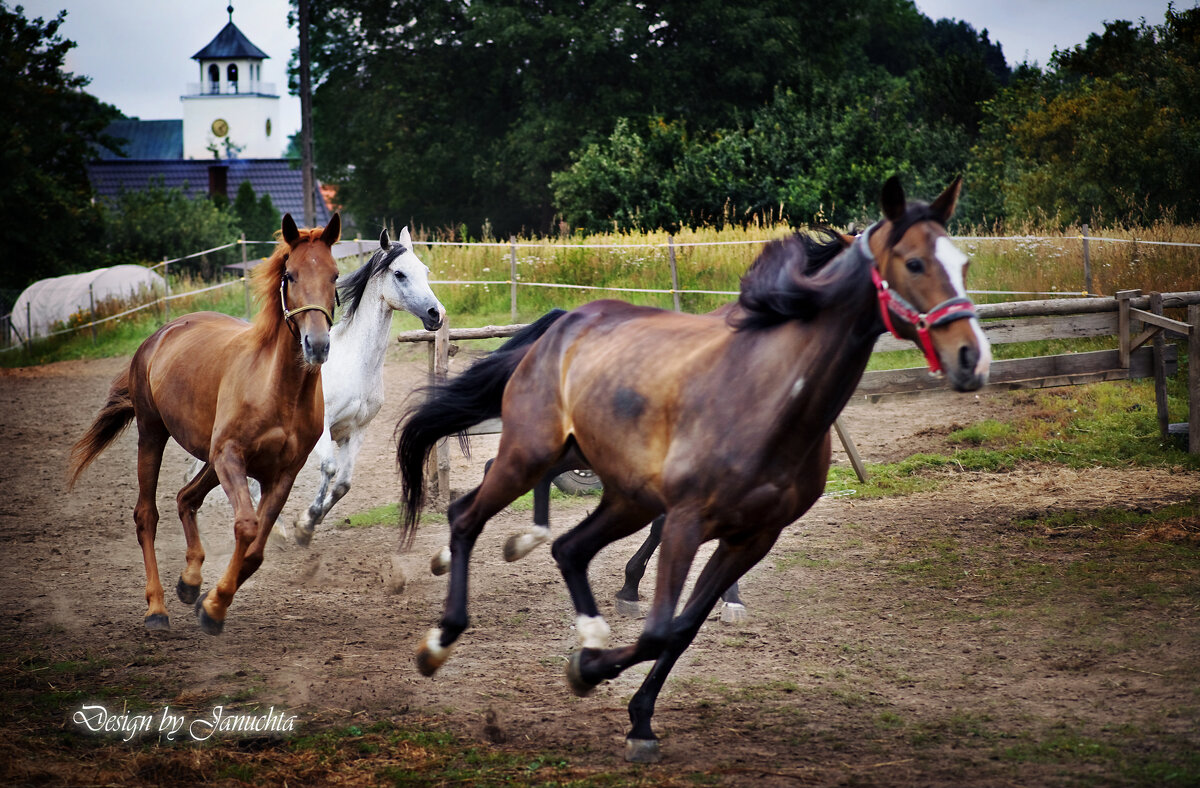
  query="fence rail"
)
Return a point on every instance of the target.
[{"x": 12, "y": 335}]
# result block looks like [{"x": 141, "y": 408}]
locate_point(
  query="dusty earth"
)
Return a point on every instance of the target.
[{"x": 926, "y": 640}]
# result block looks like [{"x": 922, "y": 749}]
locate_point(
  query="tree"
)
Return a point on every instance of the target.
[
  {"x": 161, "y": 223},
  {"x": 47, "y": 131},
  {"x": 1110, "y": 132},
  {"x": 257, "y": 217}
]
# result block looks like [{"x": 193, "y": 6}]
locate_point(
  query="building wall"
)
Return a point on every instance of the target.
[{"x": 247, "y": 114}]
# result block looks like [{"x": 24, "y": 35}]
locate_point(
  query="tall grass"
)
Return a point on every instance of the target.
[
  {"x": 1035, "y": 262},
  {"x": 1030, "y": 262}
]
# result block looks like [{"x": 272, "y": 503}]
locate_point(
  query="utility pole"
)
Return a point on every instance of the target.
[{"x": 306, "y": 131}]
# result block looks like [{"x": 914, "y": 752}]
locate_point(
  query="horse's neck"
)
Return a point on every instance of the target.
[
  {"x": 826, "y": 358},
  {"x": 366, "y": 333},
  {"x": 288, "y": 372}
]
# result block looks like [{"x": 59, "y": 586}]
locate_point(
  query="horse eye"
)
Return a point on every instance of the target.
[
  {"x": 400, "y": 275},
  {"x": 288, "y": 275},
  {"x": 915, "y": 265}
]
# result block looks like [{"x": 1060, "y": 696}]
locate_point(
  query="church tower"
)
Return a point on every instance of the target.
[{"x": 231, "y": 113}]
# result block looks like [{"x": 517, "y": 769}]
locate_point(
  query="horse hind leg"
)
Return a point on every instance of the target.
[
  {"x": 628, "y": 600},
  {"x": 502, "y": 484},
  {"x": 188, "y": 501},
  {"x": 152, "y": 439}
]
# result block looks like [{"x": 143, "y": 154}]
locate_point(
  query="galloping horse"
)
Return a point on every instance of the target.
[
  {"x": 393, "y": 279},
  {"x": 243, "y": 397},
  {"x": 721, "y": 423}
]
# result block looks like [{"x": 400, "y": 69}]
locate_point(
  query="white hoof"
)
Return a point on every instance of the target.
[
  {"x": 629, "y": 609},
  {"x": 440, "y": 563},
  {"x": 593, "y": 631},
  {"x": 517, "y": 547},
  {"x": 734, "y": 613}
]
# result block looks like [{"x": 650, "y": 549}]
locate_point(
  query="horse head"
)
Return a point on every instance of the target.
[
  {"x": 920, "y": 279},
  {"x": 406, "y": 281},
  {"x": 308, "y": 286}
]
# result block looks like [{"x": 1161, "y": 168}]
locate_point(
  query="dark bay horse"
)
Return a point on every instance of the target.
[
  {"x": 721, "y": 423},
  {"x": 243, "y": 397}
]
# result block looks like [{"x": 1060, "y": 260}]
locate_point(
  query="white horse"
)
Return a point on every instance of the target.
[
  {"x": 352, "y": 378},
  {"x": 393, "y": 279}
]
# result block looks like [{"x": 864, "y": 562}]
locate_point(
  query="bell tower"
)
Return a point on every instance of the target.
[{"x": 230, "y": 112}]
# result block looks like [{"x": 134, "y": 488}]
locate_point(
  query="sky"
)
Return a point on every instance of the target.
[{"x": 138, "y": 52}]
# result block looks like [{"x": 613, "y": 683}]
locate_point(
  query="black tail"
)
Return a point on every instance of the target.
[{"x": 451, "y": 407}]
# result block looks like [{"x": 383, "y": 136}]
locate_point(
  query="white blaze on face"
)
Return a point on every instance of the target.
[{"x": 954, "y": 263}]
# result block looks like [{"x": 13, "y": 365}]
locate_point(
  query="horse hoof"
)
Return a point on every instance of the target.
[
  {"x": 629, "y": 608},
  {"x": 440, "y": 563},
  {"x": 208, "y": 624},
  {"x": 431, "y": 654},
  {"x": 187, "y": 594},
  {"x": 734, "y": 613},
  {"x": 575, "y": 680},
  {"x": 304, "y": 534},
  {"x": 157, "y": 622},
  {"x": 642, "y": 751},
  {"x": 512, "y": 549}
]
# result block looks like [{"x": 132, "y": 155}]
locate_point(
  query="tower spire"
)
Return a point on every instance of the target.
[{"x": 229, "y": 8}]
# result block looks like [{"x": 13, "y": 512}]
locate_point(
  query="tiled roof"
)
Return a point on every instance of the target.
[
  {"x": 275, "y": 177},
  {"x": 146, "y": 139},
  {"x": 230, "y": 43}
]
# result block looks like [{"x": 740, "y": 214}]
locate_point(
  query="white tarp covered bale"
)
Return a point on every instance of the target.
[{"x": 51, "y": 301}]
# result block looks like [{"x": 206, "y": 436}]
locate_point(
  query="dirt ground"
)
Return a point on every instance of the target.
[{"x": 862, "y": 661}]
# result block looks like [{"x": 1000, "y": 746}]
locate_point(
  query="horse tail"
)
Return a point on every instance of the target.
[
  {"x": 110, "y": 422},
  {"x": 471, "y": 397}
]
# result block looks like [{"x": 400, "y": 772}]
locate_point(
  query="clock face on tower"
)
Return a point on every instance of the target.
[{"x": 219, "y": 127}]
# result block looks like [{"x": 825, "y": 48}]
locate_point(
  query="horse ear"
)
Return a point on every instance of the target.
[
  {"x": 944, "y": 205},
  {"x": 893, "y": 200},
  {"x": 384, "y": 241},
  {"x": 333, "y": 230},
  {"x": 290, "y": 233},
  {"x": 405, "y": 238}
]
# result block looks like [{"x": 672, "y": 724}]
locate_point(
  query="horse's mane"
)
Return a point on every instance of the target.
[
  {"x": 266, "y": 278},
  {"x": 355, "y": 284},
  {"x": 914, "y": 213},
  {"x": 792, "y": 280}
]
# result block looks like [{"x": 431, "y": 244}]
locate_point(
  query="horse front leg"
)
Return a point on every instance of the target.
[
  {"x": 518, "y": 546},
  {"x": 188, "y": 501},
  {"x": 722, "y": 571},
  {"x": 230, "y": 468},
  {"x": 594, "y": 662}
]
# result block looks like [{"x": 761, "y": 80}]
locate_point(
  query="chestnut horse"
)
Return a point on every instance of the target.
[
  {"x": 243, "y": 397},
  {"x": 720, "y": 423}
]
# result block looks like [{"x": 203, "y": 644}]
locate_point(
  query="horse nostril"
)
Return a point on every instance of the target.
[
  {"x": 968, "y": 357},
  {"x": 433, "y": 313}
]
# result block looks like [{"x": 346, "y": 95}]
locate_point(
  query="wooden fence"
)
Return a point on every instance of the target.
[{"x": 1134, "y": 318}]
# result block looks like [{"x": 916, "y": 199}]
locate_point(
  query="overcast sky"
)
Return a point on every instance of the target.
[{"x": 138, "y": 52}]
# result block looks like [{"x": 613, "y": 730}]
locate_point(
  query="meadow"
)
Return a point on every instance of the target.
[{"x": 471, "y": 276}]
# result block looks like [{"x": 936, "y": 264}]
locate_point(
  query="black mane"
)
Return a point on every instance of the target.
[
  {"x": 914, "y": 213},
  {"x": 354, "y": 285},
  {"x": 792, "y": 280}
]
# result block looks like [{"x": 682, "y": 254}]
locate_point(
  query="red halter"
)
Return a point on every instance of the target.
[{"x": 891, "y": 303}]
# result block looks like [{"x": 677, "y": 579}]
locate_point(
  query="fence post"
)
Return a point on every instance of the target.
[
  {"x": 1123, "y": 327},
  {"x": 512, "y": 274},
  {"x": 674, "y": 272},
  {"x": 167, "y": 285},
  {"x": 92, "y": 307},
  {"x": 1087, "y": 263},
  {"x": 1193, "y": 318},
  {"x": 1160, "y": 370},
  {"x": 28, "y": 323},
  {"x": 245, "y": 277}
]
